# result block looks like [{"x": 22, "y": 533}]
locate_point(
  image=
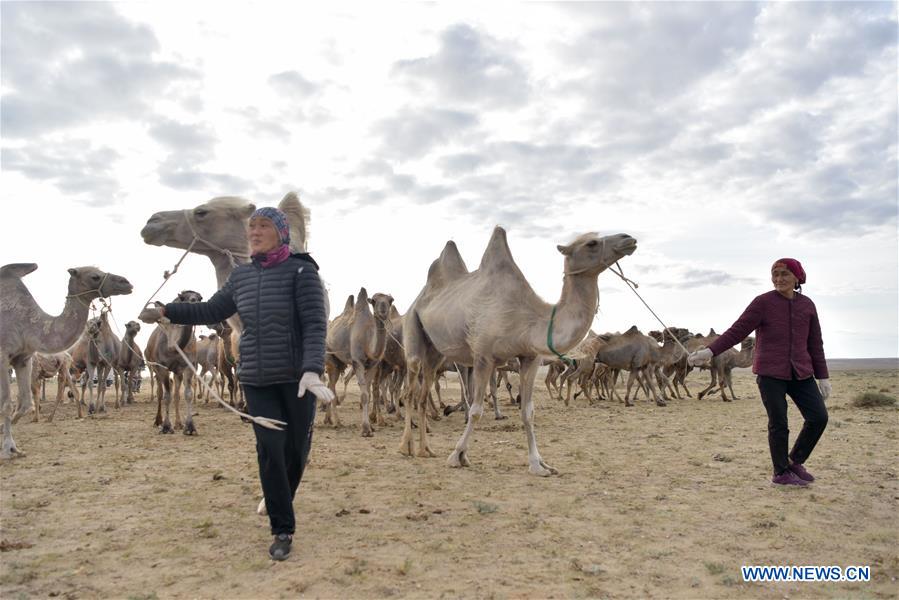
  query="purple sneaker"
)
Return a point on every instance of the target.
[
  {"x": 800, "y": 472},
  {"x": 788, "y": 478}
]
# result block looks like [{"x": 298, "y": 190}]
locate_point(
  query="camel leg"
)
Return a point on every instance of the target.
[
  {"x": 482, "y": 369},
  {"x": 651, "y": 385},
  {"x": 536, "y": 465},
  {"x": 166, "y": 387},
  {"x": 158, "y": 389},
  {"x": 189, "y": 427},
  {"x": 23, "y": 382},
  {"x": 494, "y": 387},
  {"x": 38, "y": 389},
  {"x": 8, "y": 448},
  {"x": 359, "y": 370},
  {"x": 712, "y": 384},
  {"x": 374, "y": 376},
  {"x": 91, "y": 371},
  {"x": 331, "y": 415},
  {"x": 627, "y": 392},
  {"x": 414, "y": 394},
  {"x": 177, "y": 379}
]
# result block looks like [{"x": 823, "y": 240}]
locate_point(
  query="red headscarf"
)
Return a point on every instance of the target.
[{"x": 793, "y": 265}]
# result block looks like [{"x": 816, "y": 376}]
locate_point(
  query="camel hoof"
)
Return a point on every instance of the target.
[
  {"x": 91, "y": 410},
  {"x": 190, "y": 429},
  {"x": 425, "y": 452},
  {"x": 661, "y": 403},
  {"x": 166, "y": 429},
  {"x": 406, "y": 448},
  {"x": 501, "y": 417},
  {"x": 542, "y": 469},
  {"x": 367, "y": 432},
  {"x": 458, "y": 459},
  {"x": 447, "y": 411}
]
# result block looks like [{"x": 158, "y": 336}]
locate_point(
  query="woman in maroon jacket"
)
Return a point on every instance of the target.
[{"x": 788, "y": 353}]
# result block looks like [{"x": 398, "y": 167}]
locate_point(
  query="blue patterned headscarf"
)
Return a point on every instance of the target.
[{"x": 276, "y": 216}]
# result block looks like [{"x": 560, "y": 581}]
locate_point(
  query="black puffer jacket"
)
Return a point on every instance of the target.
[{"x": 283, "y": 314}]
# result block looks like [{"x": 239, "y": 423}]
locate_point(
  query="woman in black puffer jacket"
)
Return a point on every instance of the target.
[{"x": 280, "y": 299}]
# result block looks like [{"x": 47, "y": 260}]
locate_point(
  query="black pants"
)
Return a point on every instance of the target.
[
  {"x": 282, "y": 454},
  {"x": 808, "y": 400}
]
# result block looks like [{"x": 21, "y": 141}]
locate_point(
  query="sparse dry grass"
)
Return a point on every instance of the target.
[{"x": 650, "y": 502}]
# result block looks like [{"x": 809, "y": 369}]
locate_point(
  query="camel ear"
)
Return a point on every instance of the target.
[
  {"x": 73, "y": 272},
  {"x": 249, "y": 210},
  {"x": 566, "y": 250},
  {"x": 391, "y": 299},
  {"x": 371, "y": 301}
]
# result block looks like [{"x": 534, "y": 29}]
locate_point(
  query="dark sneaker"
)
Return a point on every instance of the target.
[
  {"x": 800, "y": 472},
  {"x": 788, "y": 478},
  {"x": 280, "y": 549}
]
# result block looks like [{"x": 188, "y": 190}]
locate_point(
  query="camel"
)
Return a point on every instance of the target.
[
  {"x": 207, "y": 359},
  {"x": 103, "y": 350},
  {"x": 26, "y": 329},
  {"x": 488, "y": 316},
  {"x": 163, "y": 359},
  {"x": 44, "y": 367},
  {"x": 226, "y": 363},
  {"x": 724, "y": 363},
  {"x": 583, "y": 358},
  {"x": 636, "y": 353},
  {"x": 337, "y": 357},
  {"x": 359, "y": 339},
  {"x": 130, "y": 361},
  {"x": 392, "y": 370},
  {"x": 670, "y": 355},
  {"x": 217, "y": 229}
]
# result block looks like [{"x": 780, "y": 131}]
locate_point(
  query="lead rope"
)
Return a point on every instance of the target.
[
  {"x": 633, "y": 287},
  {"x": 261, "y": 421}
]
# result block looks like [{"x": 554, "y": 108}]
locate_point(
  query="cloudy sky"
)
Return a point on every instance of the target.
[{"x": 721, "y": 135}]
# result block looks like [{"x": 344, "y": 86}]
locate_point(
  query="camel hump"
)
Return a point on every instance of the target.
[
  {"x": 297, "y": 221},
  {"x": 350, "y": 302},
  {"x": 632, "y": 331},
  {"x": 497, "y": 254},
  {"x": 17, "y": 270},
  {"x": 449, "y": 266},
  {"x": 362, "y": 299}
]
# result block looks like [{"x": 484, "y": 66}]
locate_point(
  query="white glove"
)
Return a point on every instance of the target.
[
  {"x": 152, "y": 314},
  {"x": 311, "y": 382},
  {"x": 825, "y": 387},
  {"x": 700, "y": 357}
]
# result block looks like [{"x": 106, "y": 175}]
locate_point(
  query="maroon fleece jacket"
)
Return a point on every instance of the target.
[{"x": 788, "y": 337}]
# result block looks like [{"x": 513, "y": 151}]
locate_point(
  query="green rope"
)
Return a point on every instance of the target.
[{"x": 549, "y": 340}]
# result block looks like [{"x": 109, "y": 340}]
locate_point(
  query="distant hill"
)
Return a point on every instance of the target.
[{"x": 862, "y": 364}]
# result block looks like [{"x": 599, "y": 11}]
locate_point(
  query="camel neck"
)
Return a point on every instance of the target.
[
  {"x": 66, "y": 328},
  {"x": 574, "y": 311},
  {"x": 379, "y": 340},
  {"x": 223, "y": 266}
]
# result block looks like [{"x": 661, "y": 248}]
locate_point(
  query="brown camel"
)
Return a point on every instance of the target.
[
  {"x": 164, "y": 359},
  {"x": 636, "y": 353},
  {"x": 103, "y": 350},
  {"x": 130, "y": 361},
  {"x": 337, "y": 357},
  {"x": 47, "y": 366},
  {"x": 491, "y": 315},
  {"x": 26, "y": 329},
  {"x": 724, "y": 363}
]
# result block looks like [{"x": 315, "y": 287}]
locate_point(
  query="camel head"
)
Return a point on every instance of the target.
[
  {"x": 189, "y": 296},
  {"x": 132, "y": 328},
  {"x": 591, "y": 254},
  {"x": 221, "y": 222},
  {"x": 88, "y": 283},
  {"x": 93, "y": 328},
  {"x": 381, "y": 304}
]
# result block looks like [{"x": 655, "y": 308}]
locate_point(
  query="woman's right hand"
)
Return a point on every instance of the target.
[
  {"x": 700, "y": 357},
  {"x": 152, "y": 314}
]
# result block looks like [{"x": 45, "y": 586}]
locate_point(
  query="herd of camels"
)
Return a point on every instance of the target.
[{"x": 482, "y": 324}]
